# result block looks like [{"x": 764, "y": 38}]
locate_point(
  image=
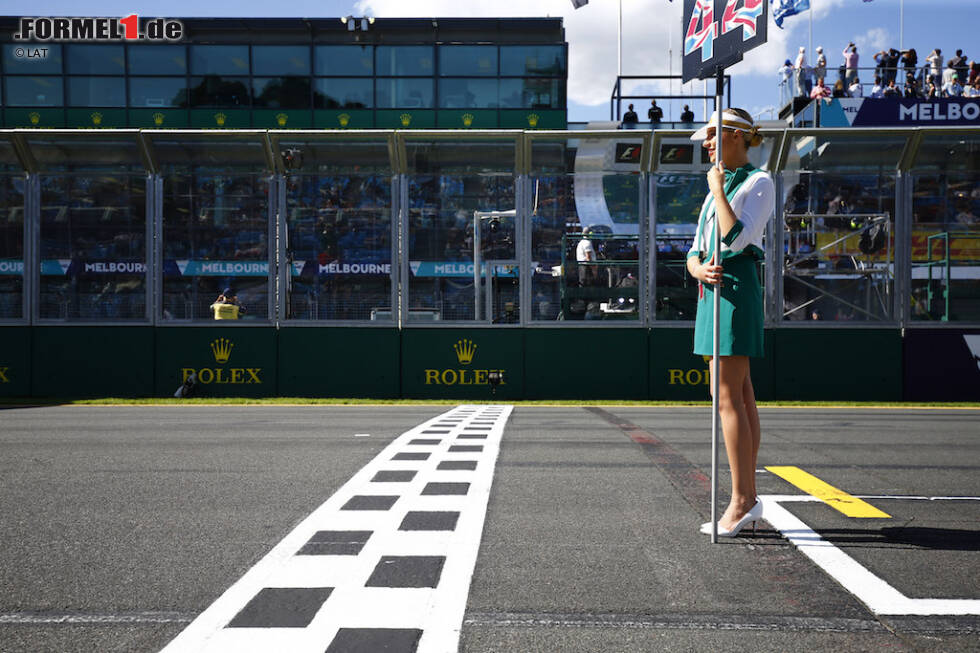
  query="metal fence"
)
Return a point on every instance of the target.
[{"x": 434, "y": 228}]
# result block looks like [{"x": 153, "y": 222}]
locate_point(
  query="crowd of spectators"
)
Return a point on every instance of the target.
[{"x": 897, "y": 73}]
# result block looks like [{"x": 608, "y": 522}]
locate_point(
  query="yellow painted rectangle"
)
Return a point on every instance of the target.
[{"x": 836, "y": 499}]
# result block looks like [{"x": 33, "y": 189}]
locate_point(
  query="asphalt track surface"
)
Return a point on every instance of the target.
[{"x": 120, "y": 525}]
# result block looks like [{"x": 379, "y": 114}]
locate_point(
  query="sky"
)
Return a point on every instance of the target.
[{"x": 651, "y": 34}]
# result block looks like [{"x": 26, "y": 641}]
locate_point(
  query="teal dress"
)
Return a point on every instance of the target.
[{"x": 741, "y": 292}]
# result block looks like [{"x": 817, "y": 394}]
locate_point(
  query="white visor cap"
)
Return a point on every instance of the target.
[{"x": 729, "y": 121}]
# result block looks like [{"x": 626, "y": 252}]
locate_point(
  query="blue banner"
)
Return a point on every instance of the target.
[
  {"x": 11, "y": 267},
  {"x": 455, "y": 269},
  {"x": 899, "y": 112},
  {"x": 787, "y": 8}
]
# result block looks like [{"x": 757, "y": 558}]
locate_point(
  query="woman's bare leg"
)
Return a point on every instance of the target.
[
  {"x": 752, "y": 411},
  {"x": 740, "y": 441}
]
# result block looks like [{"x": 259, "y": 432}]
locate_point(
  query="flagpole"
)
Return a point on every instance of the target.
[
  {"x": 810, "y": 42},
  {"x": 716, "y": 323},
  {"x": 619, "y": 39},
  {"x": 901, "y": 24}
]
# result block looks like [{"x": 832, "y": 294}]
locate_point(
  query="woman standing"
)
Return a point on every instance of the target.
[{"x": 740, "y": 202}]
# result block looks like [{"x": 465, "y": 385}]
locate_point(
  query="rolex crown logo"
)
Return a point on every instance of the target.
[
  {"x": 96, "y": 118},
  {"x": 220, "y": 119},
  {"x": 344, "y": 119},
  {"x": 35, "y": 117},
  {"x": 406, "y": 119},
  {"x": 281, "y": 119},
  {"x": 464, "y": 351},
  {"x": 467, "y": 119},
  {"x": 533, "y": 119},
  {"x": 221, "y": 348},
  {"x": 158, "y": 118}
]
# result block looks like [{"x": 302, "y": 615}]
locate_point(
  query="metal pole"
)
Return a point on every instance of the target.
[
  {"x": 619, "y": 41},
  {"x": 716, "y": 323},
  {"x": 477, "y": 264},
  {"x": 901, "y": 24}
]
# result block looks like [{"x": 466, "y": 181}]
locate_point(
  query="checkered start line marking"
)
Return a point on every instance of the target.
[{"x": 384, "y": 564}]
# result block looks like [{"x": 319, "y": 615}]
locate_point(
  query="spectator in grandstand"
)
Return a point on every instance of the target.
[
  {"x": 878, "y": 90},
  {"x": 974, "y": 73},
  {"x": 855, "y": 89},
  {"x": 786, "y": 74},
  {"x": 742, "y": 221},
  {"x": 802, "y": 69},
  {"x": 820, "y": 69},
  {"x": 932, "y": 93},
  {"x": 839, "y": 90},
  {"x": 850, "y": 62},
  {"x": 935, "y": 61},
  {"x": 909, "y": 60},
  {"x": 949, "y": 73},
  {"x": 227, "y": 306},
  {"x": 958, "y": 63},
  {"x": 973, "y": 90},
  {"x": 687, "y": 115},
  {"x": 892, "y": 91},
  {"x": 655, "y": 114},
  {"x": 820, "y": 91},
  {"x": 911, "y": 88},
  {"x": 953, "y": 88},
  {"x": 630, "y": 119}
]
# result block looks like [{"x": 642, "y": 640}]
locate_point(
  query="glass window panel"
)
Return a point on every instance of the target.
[
  {"x": 449, "y": 182},
  {"x": 11, "y": 247},
  {"x": 339, "y": 245},
  {"x": 36, "y": 59},
  {"x": 215, "y": 236},
  {"x": 339, "y": 157},
  {"x": 343, "y": 93},
  {"x": 219, "y": 60},
  {"x": 404, "y": 60},
  {"x": 93, "y": 247},
  {"x": 95, "y": 59},
  {"x": 468, "y": 60},
  {"x": 532, "y": 93},
  {"x": 157, "y": 60},
  {"x": 395, "y": 93},
  {"x": 468, "y": 93},
  {"x": 214, "y": 91},
  {"x": 176, "y": 153},
  {"x": 89, "y": 148},
  {"x": 679, "y": 198},
  {"x": 528, "y": 60},
  {"x": 34, "y": 92},
  {"x": 946, "y": 228},
  {"x": 340, "y": 60},
  {"x": 282, "y": 60},
  {"x": 839, "y": 211},
  {"x": 281, "y": 92},
  {"x": 96, "y": 92},
  {"x": 578, "y": 213},
  {"x": 157, "y": 92}
]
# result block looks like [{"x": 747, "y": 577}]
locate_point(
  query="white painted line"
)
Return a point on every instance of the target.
[
  {"x": 437, "y": 612},
  {"x": 879, "y": 596},
  {"x": 362, "y": 435}
]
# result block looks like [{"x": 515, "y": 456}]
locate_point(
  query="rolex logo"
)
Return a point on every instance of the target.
[
  {"x": 221, "y": 348},
  {"x": 532, "y": 119},
  {"x": 96, "y": 118},
  {"x": 35, "y": 117},
  {"x": 220, "y": 119},
  {"x": 281, "y": 119},
  {"x": 464, "y": 351},
  {"x": 467, "y": 119},
  {"x": 158, "y": 118},
  {"x": 406, "y": 119},
  {"x": 344, "y": 119}
]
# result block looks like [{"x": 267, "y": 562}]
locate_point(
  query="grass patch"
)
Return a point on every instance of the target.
[{"x": 316, "y": 401}]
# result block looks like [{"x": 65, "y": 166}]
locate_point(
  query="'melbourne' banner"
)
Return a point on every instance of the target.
[
  {"x": 718, "y": 32},
  {"x": 899, "y": 112}
]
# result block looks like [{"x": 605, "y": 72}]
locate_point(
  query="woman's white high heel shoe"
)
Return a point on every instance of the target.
[{"x": 753, "y": 515}]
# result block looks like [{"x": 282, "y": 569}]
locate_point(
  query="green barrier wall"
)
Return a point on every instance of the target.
[
  {"x": 455, "y": 363},
  {"x": 838, "y": 364},
  {"x": 586, "y": 363},
  {"x": 229, "y": 361},
  {"x": 15, "y": 362},
  {"x": 678, "y": 374},
  {"x": 92, "y": 361},
  {"x": 339, "y": 362}
]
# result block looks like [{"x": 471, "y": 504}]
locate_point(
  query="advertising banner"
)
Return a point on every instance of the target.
[{"x": 899, "y": 112}]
